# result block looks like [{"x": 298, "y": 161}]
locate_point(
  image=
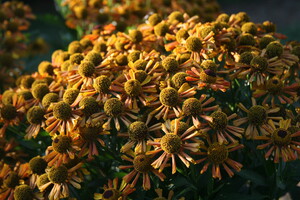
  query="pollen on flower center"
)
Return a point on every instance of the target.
[
  {"x": 113, "y": 107},
  {"x": 58, "y": 175},
  {"x": 61, "y": 144},
  {"x": 23, "y": 192},
  {"x": 102, "y": 84},
  {"x": 138, "y": 131},
  {"x": 191, "y": 106},
  {"x": 274, "y": 85},
  {"x": 37, "y": 165},
  {"x": 281, "y": 137},
  {"x": 208, "y": 76},
  {"x": 133, "y": 87},
  {"x": 35, "y": 115},
  {"x": 8, "y": 112},
  {"x": 62, "y": 111},
  {"x": 142, "y": 163},
  {"x": 169, "y": 97},
  {"x": 257, "y": 115},
  {"x": 217, "y": 153},
  {"x": 171, "y": 143},
  {"x": 219, "y": 120}
]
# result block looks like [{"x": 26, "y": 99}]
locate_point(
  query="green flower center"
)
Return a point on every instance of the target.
[
  {"x": 217, "y": 153},
  {"x": 219, "y": 120},
  {"x": 257, "y": 115},
  {"x": 171, "y": 143},
  {"x": 142, "y": 163},
  {"x": 58, "y": 175},
  {"x": 169, "y": 97}
]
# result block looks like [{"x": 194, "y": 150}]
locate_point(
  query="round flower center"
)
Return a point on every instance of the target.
[
  {"x": 37, "y": 165},
  {"x": 70, "y": 95},
  {"x": 102, "y": 84},
  {"x": 62, "y": 111},
  {"x": 111, "y": 194},
  {"x": 191, "y": 106},
  {"x": 219, "y": 120},
  {"x": 89, "y": 106},
  {"x": 208, "y": 76},
  {"x": 171, "y": 143},
  {"x": 140, "y": 75},
  {"x": 23, "y": 192},
  {"x": 90, "y": 133},
  {"x": 274, "y": 85},
  {"x": 257, "y": 115},
  {"x": 113, "y": 107},
  {"x": 259, "y": 63},
  {"x": 12, "y": 180},
  {"x": 170, "y": 64},
  {"x": 179, "y": 79},
  {"x": 193, "y": 44},
  {"x": 142, "y": 163},
  {"x": 61, "y": 144},
  {"x": 136, "y": 36},
  {"x": 281, "y": 137},
  {"x": 169, "y": 97},
  {"x": 140, "y": 64},
  {"x": 86, "y": 69},
  {"x": 58, "y": 175},
  {"x": 138, "y": 131},
  {"x": 42, "y": 180},
  {"x": 40, "y": 90},
  {"x": 133, "y": 87},
  {"x": 35, "y": 115},
  {"x": 49, "y": 98},
  {"x": 8, "y": 112},
  {"x": 217, "y": 153}
]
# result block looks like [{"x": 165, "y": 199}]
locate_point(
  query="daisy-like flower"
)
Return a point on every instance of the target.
[
  {"x": 141, "y": 165},
  {"x": 133, "y": 89},
  {"x": 11, "y": 114},
  {"x": 115, "y": 110},
  {"x": 169, "y": 102},
  {"x": 35, "y": 116},
  {"x": 60, "y": 178},
  {"x": 193, "y": 108},
  {"x": 218, "y": 122},
  {"x": 62, "y": 150},
  {"x": 207, "y": 78},
  {"x": 88, "y": 137},
  {"x": 138, "y": 134},
  {"x": 174, "y": 143},
  {"x": 37, "y": 166},
  {"x": 277, "y": 89},
  {"x": 61, "y": 117},
  {"x": 257, "y": 116},
  {"x": 12, "y": 179},
  {"x": 281, "y": 143},
  {"x": 217, "y": 154},
  {"x": 114, "y": 191},
  {"x": 9, "y": 152}
]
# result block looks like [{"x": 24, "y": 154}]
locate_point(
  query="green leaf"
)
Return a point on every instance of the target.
[{"x": 252, "y": 176}]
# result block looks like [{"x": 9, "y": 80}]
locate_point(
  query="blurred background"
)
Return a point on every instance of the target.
[{"x": 50, "y": 25}]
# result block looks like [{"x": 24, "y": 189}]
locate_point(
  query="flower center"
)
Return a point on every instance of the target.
[
  {"x": 191, "y": 106},
  {"x": 23, "y": 192},
  {"x": 219, "y": 120},
  {"x": 133, "y": 88},
  {"x": 217, "y": 153},
  {"x": 257, "y": 115},
  {"x": 89, "y": 106},
  {"x": 42, "y": 179},
  {"x": 61, "y": 144},
  {"x": 40, "y": 90},
  {"x": 281, "y": 137},
  {"x": 62, "y": 111},
  {"x": 179, "y": 79},
  {"x": 170, "y": 64},
  {"x": 58, "y": 175},
  {"x": 8, "y": 112},
  {"x": 113, "y": 107},
  {"x": 140, "y": 75},
  {"x": 111, "y": 194},
  {"x": 35, "y": 115},
  {"x": 259, "y": 63},
  {"x": 181, "y": 128},
  {"x": 102, "y": 84},
  {"x": 193, "y": 44},
  {"x": 37, "y": 165},
  {"x": 208, "y": 76},
  {"x": 138, "y": 131},
  {"x": 169, "y": 97},
  {"x": 86, "y": 69},
  {"x": 171, "y": 143},
  {"x": 142, "y": 163}
]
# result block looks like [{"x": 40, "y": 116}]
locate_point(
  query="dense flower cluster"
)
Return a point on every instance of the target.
[
  {"x": 86, "y": 14},
  {"x": 154, "y": 90}
]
